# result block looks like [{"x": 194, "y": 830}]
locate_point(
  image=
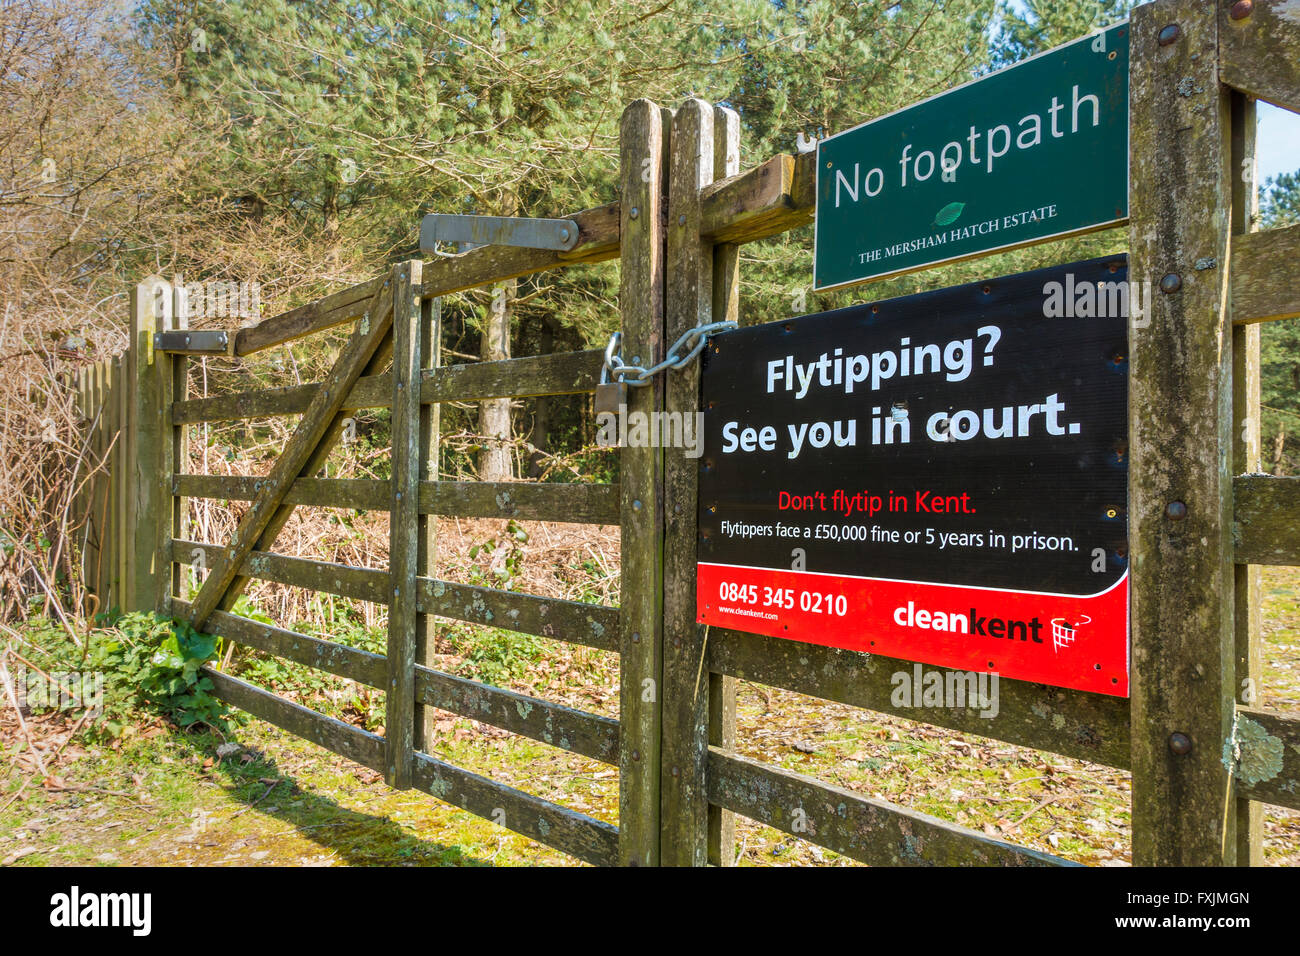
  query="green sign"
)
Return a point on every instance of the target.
[{"x": 1032, "y": 152}]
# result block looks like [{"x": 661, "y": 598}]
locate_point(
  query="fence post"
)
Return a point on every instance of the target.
[
  {"x": 726, "y": 307},
  {"x": 144, "y": 432},
  {"x": 1246, "y": 438},
  {"x": 427, "y": 524},
  {"x": 119, "y": 478},
  {"x": 170, "y": 376},
  {"x": 1180, "y": 499},
  {"x": 103, "y": 508},
  {"x": 404, "y": 536},
  {"x": 642, "y": 167},
  {"x": 689, "y": 302}
]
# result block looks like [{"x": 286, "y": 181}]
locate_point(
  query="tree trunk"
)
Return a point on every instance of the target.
[
  {"x": 542, "y": 415},
  {"x": 495, "y": 459}
]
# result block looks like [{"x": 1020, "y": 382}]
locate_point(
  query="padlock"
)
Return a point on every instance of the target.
[{"x": 611, "y": 397}]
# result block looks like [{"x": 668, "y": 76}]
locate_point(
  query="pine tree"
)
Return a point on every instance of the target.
[
  {"x": 1280, "y": 346},
  {"x": 1032, "y": 26}
]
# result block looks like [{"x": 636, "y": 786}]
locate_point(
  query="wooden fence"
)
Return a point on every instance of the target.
[
  {"x": 1201, "y": 760},
  {"x": 102, "y": 499}
]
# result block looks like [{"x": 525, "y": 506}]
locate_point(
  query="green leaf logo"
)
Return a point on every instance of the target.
[{"x": 948, "y": 214}]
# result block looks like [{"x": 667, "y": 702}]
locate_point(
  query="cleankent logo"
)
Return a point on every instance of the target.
[{"x": 75, "y": 909}]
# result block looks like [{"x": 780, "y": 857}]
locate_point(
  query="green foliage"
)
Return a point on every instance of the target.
[
  {"x": 506, "y": 553},
  {"x": 1280, "y": 348},
  {"x": 1032, "y": 26},
  {"x": 493, "y": 655},
  {"x": 1281, "y": 206},
  {"x": 145, "y": 665}
]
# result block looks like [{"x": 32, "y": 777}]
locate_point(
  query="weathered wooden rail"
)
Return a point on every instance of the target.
[{"x": 677, "y": 231}]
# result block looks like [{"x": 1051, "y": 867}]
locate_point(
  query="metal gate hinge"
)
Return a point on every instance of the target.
[{"x": 558, "y": 234}]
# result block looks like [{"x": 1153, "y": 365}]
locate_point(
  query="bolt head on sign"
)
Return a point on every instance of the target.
[{"x": 941, "y": 478}]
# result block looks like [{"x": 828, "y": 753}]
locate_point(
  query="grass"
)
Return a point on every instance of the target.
[{"x": 162, "y": 796}]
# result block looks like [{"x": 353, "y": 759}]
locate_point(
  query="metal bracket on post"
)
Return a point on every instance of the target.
[
  {"x": 197, "y": 342},
  {"x": 558, "y": 234}
]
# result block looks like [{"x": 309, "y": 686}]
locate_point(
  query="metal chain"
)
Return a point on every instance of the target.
[{"x": 635, "y": 376}]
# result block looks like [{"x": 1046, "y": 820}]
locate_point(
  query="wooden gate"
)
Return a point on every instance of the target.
[{"x": 1200, "y": 521}]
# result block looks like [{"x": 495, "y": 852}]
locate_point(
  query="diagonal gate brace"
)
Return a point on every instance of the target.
[{"x": 315, "y": 428}]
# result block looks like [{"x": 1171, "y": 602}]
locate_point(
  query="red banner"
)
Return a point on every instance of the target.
[{"x": 1044, "y": 638}]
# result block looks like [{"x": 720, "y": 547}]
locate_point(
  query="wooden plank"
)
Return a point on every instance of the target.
[
  {"x": 1262, "y": 270},
  {"x": 576, "y": 834},
  {"x": 573, "y": 730},
  {"x": 403, "y": 541},
  {"x": 773, "y": 198},
  {"x": 1266, "y": 521},
  {"x": 866, "y": 829},
  {"x": 98, "y": 497},
  {"x": 1180, "y": 496},
  {"x": 1246, "y": 438},
  {"x": 338, "y": 659},
  {"x": 643, "y": 135},
  {"x": 237, "y": 406},
  {"x": 565, "y": 373},
  {"x": 138, "y": 529},
  {"x": 363, "y": 584},
  {"x": 357, "y": 745},
  {"x": 688, "y": 302},
  {"x": 1266, "y": 756},
  {"x": 580, "y": 504},
  {"x": 752, "y": 205},
  {"x": 121, "y": 482},
  {"x": 1259, "y": 54},
  {"x": 592, "y": 625},
  {"x": 1092, "y": 727},
  {"x": 362, "y": 494},
  {"x": 726, "y": 306},
  {"x": 338, "y": 308},
  {"x": 112, "y": 483},
  {"x": 314, "y": 427},
  {"x": 583, "y": 504}
]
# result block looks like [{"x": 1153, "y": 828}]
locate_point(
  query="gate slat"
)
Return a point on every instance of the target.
[
  {"x": 338, "y": 659},
  {"x": 527, "y": 501},
  {"x": 1262, "y": 275},
  {"x": 334, "y": 735},
  {"x": 872, "y": 831},
  {"x": 565, "y": 727},
  {"x": 1268, "y": 756},
  {"x": 592, "y": 625},
  {"x": 1260, "y": 54},
  {"x": 576, "y": 834},
  {"x": 1266, "y": 523},
  {"x": 564, "y": 373},
  {"x": 1072, "y": 723}
]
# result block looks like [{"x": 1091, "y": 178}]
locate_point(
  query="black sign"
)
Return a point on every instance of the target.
[{"x": 941, "y": 477}]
